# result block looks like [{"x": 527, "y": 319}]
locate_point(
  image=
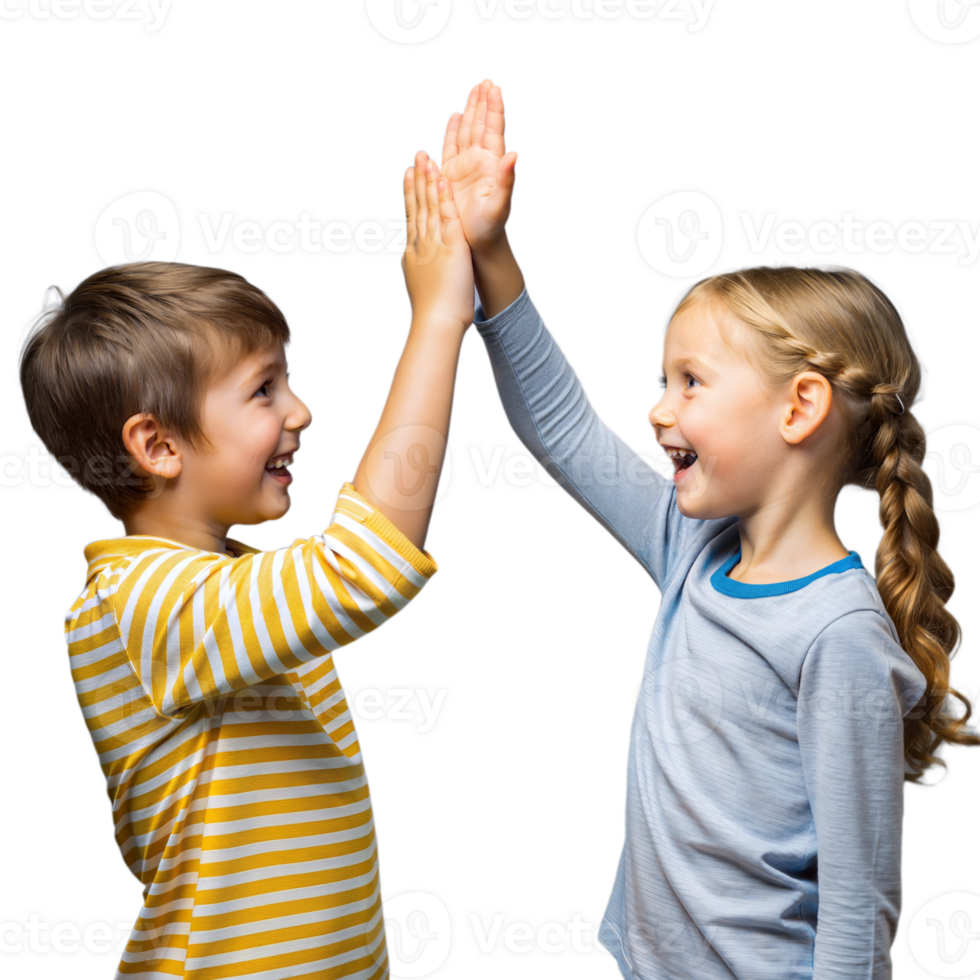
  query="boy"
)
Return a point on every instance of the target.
[{"x": 204, "y": 667}]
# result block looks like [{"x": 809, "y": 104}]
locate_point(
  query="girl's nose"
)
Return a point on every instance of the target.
[{"x": 660, "y": 416}]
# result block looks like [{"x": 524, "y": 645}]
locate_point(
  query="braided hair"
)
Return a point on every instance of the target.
[{"x": 840, "y": 324}]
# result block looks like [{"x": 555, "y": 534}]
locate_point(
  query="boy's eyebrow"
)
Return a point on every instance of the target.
[{"x": 270, "y": 367}]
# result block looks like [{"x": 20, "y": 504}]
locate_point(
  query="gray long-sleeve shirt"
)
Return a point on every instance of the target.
[{"x": 766, "y": 758}]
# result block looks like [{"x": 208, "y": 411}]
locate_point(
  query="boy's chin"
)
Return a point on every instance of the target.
[
  {"x": 268, "y": 510},
  {"x": 283, "y": 511}
]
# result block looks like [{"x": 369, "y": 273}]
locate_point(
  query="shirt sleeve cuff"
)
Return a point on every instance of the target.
[
  {"x": 503, "y": 317},
  {"x": 354, "y": 505}
]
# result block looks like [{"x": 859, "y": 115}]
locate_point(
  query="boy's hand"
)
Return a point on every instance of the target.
[
  {"x": 399, "y": 472},
  {"x": 482, "y": 174},
  {"x": 437, "y": 264}
]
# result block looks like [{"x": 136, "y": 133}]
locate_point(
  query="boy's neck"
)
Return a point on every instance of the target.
[{"x": 190, "y": 531}]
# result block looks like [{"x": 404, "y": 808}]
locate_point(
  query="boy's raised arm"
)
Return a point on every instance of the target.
[{"x": 399, "y": 472}]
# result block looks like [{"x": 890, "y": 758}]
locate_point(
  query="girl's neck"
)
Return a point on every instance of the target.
[{"x": 784, "y": 541}]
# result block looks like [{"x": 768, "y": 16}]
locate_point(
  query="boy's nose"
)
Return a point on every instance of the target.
[{"x": 300, "y": 417}]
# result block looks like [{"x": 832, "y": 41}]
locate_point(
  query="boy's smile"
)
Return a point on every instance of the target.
[{"x": 239, "y": 472}]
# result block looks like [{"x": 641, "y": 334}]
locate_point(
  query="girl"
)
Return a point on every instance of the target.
[{"x": 787, "y": 693}]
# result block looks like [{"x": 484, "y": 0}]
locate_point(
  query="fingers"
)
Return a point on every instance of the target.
[
  {"x": 419, "y": 211},
  {"x": 493, "y": 139},
  {"x": 448, "y": 212},
  {"x": 503, "y": 187},
  {"x": 411, "y": 207},
  {"x": 482, "y": 122},
  {"x": 421, "y": 158},
  {"x": 505, "y": 170},
  {"x": 431, "y": 196},
  {"x": 480, "y": 116},
  {"x": 449, "y": 146},
  {"x": 466, "y": 123}
]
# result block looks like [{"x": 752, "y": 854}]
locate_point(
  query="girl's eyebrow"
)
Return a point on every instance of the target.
[{"x": 692, "y": 362}]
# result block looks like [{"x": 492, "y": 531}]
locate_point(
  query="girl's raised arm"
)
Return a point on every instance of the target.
[{"x": 541, "y": 394}]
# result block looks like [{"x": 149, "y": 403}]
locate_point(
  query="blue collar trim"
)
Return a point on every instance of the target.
[{"x": 746, "y": 590}]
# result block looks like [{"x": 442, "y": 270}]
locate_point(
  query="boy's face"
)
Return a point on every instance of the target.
[{"x": 252, "y": 420}]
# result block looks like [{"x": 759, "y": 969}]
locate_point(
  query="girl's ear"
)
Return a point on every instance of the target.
[{"x": 806, "y": 406}]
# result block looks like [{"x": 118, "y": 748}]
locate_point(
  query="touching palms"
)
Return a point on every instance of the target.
[{"x": 473, "y": 159}]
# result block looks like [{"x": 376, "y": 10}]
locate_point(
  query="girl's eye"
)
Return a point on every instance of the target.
[
  {"x": 661, "y": 381},
  {"x": 265, "y": 389}
]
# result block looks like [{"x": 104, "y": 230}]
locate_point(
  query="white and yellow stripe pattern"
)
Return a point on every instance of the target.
[{"x": 238, "y": 792}]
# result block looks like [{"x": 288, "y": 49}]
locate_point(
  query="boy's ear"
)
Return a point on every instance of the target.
[
  {"x": 155, "y": 450},
  {"x": 806, "y": 407}
]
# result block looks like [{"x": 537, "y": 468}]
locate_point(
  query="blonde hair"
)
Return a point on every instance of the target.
[
  {"x": 840, "y": 324},
  {"x": 142, "y": 337}
]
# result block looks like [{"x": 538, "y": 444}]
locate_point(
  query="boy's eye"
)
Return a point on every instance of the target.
[
  {"x": 690, "y": 377},
  {"x": 264, "y": 390}
]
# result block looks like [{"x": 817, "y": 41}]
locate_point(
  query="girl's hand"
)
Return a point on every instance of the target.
[
  {"x": 482, "y": 175},
  {"x": 437, "y": 263}
]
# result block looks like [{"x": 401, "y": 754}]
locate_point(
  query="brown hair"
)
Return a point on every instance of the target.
[
  {"x": 839, "y": 323},
  {"x": 143, "y": 337}
]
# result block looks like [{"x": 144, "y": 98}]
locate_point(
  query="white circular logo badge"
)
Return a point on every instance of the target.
[
  {"x": 447, "y": 469},
  {"x": 944, "y": 935},
  {"x": 418, "y": 934},
  {"x": 408, "y": 21},
  {"x": 952, "y": 463},
  {"x": 689, "y": 698},
  {"x": 947, "y": 21},
  {"x": 681, "y": 234},
  {"x": 140, "y": 227}
]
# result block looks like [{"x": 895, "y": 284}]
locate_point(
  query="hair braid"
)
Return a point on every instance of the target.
[{"x": 914, "y": 582}]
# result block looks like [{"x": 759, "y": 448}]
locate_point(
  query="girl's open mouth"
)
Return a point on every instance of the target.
[{"x": 682, "y": 459}]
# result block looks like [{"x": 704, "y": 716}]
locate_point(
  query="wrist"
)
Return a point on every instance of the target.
[
  {"x": 497, "y": 277},
  {"x": 434, "y": 321},
  {"x": 494, "y": 250}
]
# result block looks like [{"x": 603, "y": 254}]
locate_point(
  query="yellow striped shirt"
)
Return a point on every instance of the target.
[{"x": 238, "y": 791}]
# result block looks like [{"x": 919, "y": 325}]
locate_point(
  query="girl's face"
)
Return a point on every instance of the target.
[{"x": 719, "y": 411}]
